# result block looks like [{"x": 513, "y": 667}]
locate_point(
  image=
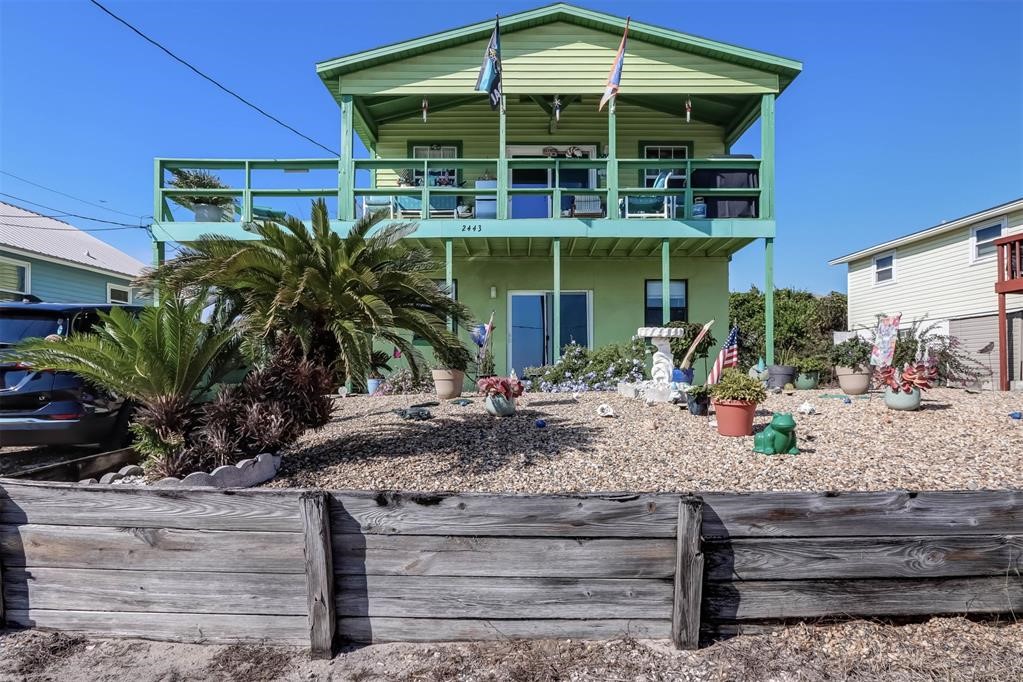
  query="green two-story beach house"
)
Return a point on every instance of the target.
[{"x": 563, "y": 222}]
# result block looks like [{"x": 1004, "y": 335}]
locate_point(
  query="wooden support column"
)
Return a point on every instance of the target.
[
  {"x": 319, "y": 572},
  {"x": 502, "y": 160},
  {"x": 556, "y": 321},
  {"x": 685, "y": 614},
  {"x": 612, "y": 159},
  {"x": 767, "y": 156},
  {"x": 346, "y": 164},
  {"x": 769, "y": 299},
  {"x": 1003, "y": 345},
  {"x": 665, "y": 282}
]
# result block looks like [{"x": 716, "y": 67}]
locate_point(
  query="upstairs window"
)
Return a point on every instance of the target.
[
  {"x": 884, "y": 268},
  {"x": 438, "y": 176},
  {"x": 663, "y": 152},
  {"x": 983, "y": 239},
  {"x": 15, "y": 279},
  {"x": 677, "y": 302},
  {"x": 118, "y": 295}
]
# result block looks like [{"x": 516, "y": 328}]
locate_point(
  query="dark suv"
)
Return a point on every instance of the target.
[{"x": 39, "y": 406}]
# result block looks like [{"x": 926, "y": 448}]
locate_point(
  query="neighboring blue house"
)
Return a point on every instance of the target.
[{"x": 55, "y": 262}]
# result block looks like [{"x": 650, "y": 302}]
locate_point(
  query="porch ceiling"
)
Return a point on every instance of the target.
[{"x": 581, "y": 247}]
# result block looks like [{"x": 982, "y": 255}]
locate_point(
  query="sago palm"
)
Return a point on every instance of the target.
[{"x": 336, "y": 293}]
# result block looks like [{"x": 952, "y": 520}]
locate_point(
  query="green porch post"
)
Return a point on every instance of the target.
[
  {"x": 346, "y": 164},
  {"x": 612, "y": 159},
  {"x": 665, "y": 282},
  {"x": 448, "y": 266},
  {"x": 159, "y": 256},
  {"x": 769, "y": 299},
  {"x": 767, "y": 156},
  {"x": 502, "y": 160},
  {"x": 556, "y": 322}
]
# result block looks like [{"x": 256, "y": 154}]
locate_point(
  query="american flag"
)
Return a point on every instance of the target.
[
  {"x": 728, "y": 357},
  {"x": 614, "y": 79}
]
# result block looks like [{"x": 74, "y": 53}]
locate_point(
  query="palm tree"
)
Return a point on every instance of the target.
[
  {"x": 336, "y": 293},
  {"x": 164, "y": 358}
]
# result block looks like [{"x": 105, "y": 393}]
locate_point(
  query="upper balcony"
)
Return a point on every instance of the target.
[{"x": 1010, "y": 264}]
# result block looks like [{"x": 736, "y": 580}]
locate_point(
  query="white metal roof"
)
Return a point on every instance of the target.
[
  {"x": 1008, "y": 207},
  {"x": 32, "y": 233}
]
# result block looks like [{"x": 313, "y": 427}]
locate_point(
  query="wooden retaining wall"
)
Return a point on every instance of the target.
[{"x": 305, "y": 567}]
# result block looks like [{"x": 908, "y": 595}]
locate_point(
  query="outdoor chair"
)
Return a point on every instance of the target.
[
  {"x": 371, "y": 205},
  {"x": 441, "y": 206},
  {"x": 587, "y": 206},
  {"x": 646, "y": 205}
]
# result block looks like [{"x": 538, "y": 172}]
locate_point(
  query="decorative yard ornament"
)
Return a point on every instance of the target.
[
  {"x": 556, "y": 106},
  {"x": 489, "y": 79},
  {"x": 778, "y": 438},
  {"x": 426, "y": 107},
  {"x": 689, "y": 108},
  {"x": 614, "y": 78},
  {"x": 884, "y": 341}
]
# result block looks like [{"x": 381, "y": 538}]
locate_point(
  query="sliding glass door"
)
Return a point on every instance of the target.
[{"x": 531, "y": 324}]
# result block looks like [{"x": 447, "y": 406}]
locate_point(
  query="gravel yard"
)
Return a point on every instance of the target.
[
  {"x": 957, "y": 440},
  {"x": 951, "y": 649}
]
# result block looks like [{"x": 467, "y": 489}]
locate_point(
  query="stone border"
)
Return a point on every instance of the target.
[{"x": 245, "y": 474}]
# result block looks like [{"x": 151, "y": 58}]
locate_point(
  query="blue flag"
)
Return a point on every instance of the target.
[
  {"x": 614, "y": 78},
  {"x": 489, "y": 80}
]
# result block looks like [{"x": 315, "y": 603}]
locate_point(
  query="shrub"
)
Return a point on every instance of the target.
[
  {"x": 403, "y": 382},
  {"x": 811, "y": 365},
  {"x": 581, "y": 370},
  {"x": 737, "y": 385},
  {"x": 680, "y": 346},
  {"x": 954, "y": 366},
  {"x": 853, "y": 353}
]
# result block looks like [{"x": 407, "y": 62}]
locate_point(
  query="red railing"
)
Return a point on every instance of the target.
[{"x": 1010, "y": 264}]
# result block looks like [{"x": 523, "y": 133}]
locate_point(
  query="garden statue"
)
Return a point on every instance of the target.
[
  {"x": 778, "y": 438},
  {"x": 663, "y": 365}
]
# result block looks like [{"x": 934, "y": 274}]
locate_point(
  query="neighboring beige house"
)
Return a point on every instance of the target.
[{"x": 943, "y": 275}]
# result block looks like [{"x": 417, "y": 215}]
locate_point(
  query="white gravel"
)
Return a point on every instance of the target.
[{"x": 958, "y": 440}]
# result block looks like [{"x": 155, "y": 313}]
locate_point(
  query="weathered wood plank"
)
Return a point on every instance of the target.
[
  {"x": 159, "y": 549},
  {"x": 864, "y": 557},
  {"x": 685, "y": 614},
  {"x": 319, "y": 573},
  {"x": 818, "y": 598},
  {"x": 65, "y": 504},
  {"x": 177, "y": 627},
  {"x": 625, "y": 515},
  {"x": 982, "y": 512},
  {"x": 503, "y": 557},
  {"x": 79, "y": 589},
  {"x": 379, "y": 630},
  {"x": 428, "y": 597}
]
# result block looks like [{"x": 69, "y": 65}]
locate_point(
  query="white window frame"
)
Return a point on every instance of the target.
[
  {"x": 118, "y": 287},
  {"x": 873, "y": 268},
  {"x": 650, "y": 174},
  {"x": 429, "y": 149},
  {"x": 28, "y": 275},
  {"x": 1001, "y": 224}
]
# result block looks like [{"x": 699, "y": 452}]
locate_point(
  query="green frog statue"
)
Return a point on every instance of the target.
[{"x": 778, "y": 438}]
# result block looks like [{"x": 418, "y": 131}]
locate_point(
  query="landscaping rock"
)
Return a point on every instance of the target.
[
  {"x": 111, "y": 477},
  {"x": 132, "y": 470}
]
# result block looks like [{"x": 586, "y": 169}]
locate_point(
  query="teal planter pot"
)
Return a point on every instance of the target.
[
  {"x": 807, "y": 382},
  {"x": 499, "y": 406},
  {"x": 897, "y": 400}
]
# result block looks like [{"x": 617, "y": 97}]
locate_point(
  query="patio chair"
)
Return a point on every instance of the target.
[
  {"x": 587, "y": 206},
  {"x": 375, "y": 204},
  {"x": 646, "y": 205},
  {"x": 441, "y": 206}
]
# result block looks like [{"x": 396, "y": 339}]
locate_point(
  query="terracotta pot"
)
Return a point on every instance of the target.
[
  {"x": 852, "y": 381},
  {"x": 735, "y": 417},
  {"x": 902, "y": 401},
  {"x": 499, "y": 406},
  {"x": 448, "y": 383}
]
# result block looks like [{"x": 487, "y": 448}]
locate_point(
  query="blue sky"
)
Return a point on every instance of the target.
[{"x": 906, "y": 114}]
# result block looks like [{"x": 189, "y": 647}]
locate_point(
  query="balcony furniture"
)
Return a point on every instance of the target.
[
  {"x": 486, "y": 206},
  {"x": 729, "y": 207},
  {"x": 441, "y": 205},
  {"x": 648, "y": 206},
  {"x": 465, "y": 212},
  {"x": 371, "y": 205},
  {"x": 587, "y": 206}
]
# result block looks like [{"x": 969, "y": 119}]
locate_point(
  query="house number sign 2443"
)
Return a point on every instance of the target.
[{"x": 472, "y": 228}]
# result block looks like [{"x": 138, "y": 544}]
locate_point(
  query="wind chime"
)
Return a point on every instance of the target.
[
  {"x": 556, "y": 106},
  {"x": 689, "y": 109},
  {"x": 426, "y": 108}
]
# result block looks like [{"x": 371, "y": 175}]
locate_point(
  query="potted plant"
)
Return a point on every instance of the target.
[
  {"x": 695, "y": 345},
  {"x": 378, "y": 360},
  {"x": 500, "y": 393},
  {"x": 809, "y": 372},
  {"x": 903, "y": 390},
  {"x": 851, "y": 359},
  {"x": 782, "y": 373},
  {"x": 449, "y": 371},
  {"x": 735, "y": 399},
  {"x": 406, "y": 178},
  {"x": 208, "y": 209},
  {"x": 698, "y": 400}
]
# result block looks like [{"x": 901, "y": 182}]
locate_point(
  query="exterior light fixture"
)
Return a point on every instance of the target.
[{"x": 493, "y": 291}]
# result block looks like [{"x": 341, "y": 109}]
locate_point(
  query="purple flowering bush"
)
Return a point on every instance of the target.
[{"x": 580, "y": 370}]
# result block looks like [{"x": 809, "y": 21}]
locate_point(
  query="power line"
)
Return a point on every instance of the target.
[
  {"x": 213, "y": 80},
  {"x": 69, "y": 196},
  {"x": 71, "y": 229},
  {"x": 67, "y": 213}
]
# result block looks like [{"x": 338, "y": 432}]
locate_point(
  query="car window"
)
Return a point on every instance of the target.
[{"x": 17, "y": 326}]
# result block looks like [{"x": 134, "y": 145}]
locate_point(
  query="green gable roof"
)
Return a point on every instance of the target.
[{"x": 786, "y": 69}]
